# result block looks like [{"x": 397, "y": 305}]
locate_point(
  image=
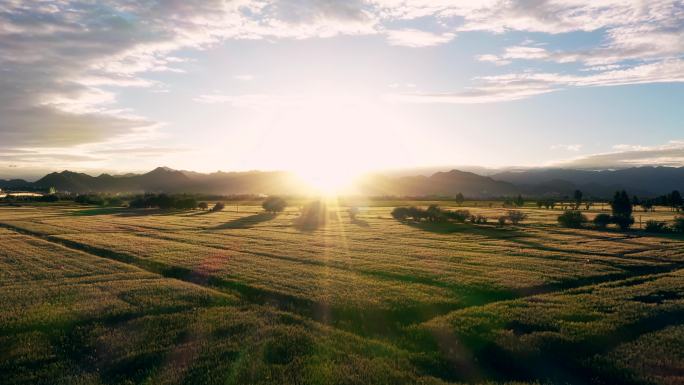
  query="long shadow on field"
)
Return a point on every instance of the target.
[
  {"x": 126, "y": 212},
  {"x": 245, "y": 222},
  {"x": 360, "y": 223},
  {"x": 464, "y": 228}
]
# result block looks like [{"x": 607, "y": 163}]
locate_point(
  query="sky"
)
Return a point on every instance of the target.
[{"x": 345, "y": 87}]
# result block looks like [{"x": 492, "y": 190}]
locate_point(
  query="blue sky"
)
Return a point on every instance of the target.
[{"x": 312, "y": 85}]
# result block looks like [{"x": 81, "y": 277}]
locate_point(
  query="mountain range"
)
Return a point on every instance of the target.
[{"x": 642, "y": 181}]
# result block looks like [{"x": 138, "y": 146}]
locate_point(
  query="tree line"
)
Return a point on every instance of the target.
[
  {"x": 622, "y": 207},
  {"x": 436, "y": 214}
]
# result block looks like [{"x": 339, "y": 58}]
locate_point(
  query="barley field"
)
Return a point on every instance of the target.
[{"x": 119, "y": 296}]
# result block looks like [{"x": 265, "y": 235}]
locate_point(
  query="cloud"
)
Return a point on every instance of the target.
[
  {"x": 61, "y": 62},
  {"x": 515, "y": 86},
  {"x": 253, "y": 101},
  {"x": 416, "y": 38},
  {"x": 669, "y": 154},
  {"x": 567, "y": 147}
]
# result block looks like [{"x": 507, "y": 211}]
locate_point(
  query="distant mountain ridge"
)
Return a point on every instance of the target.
[{"x": 642, "y": 181}]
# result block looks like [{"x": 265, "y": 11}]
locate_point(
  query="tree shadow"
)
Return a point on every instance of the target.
[
  {"x": 245, "y": 222},
  {"x": 466, "y": 228},
  {"x": 360, "y": 222},
  {"x": 308, "y": 224},
  {"x": 129, "y": 212}
]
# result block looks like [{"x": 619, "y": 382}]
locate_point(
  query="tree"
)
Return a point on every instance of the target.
[
  {"x": 621, "y": 204},
  {"x": 400, "y": 213},
  {"x": 415, "y": 213},
  {"x": 602, "y": 221},
  {"x": 459, "y": 198},
  {"x": 623, "y": 222},
  {"x": 274, "y": 204},
  {"x": 185, "y": 203},
  {"x": 656, "y": 227},
  {"x": 635, "y": 201},
  {"x": 519, "y": 201},
  {"x": 218, "y": 206},
  {"x": 578, "y": 198},
  {"x": 587, "y": 205},
  {"x": 203, "y": 205},
  {"x": 675, "y": 199},
  {"x": 572, "y": 219},
  {"x": 458, "y": 215},
  {"x": 516, "y": 216},
  {"x": 501, "y": 220},
  {"x": 646, "y": 205},
  {"x": 353, "y": 212},
  {"x": 622, "y": 210},
  {"x": 434, "y": 213}
]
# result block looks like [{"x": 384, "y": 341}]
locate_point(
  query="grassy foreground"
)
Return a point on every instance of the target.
[{"x": 117, "y": 296}]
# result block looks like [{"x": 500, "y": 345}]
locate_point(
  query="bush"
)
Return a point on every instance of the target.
[
  {"x": 274, "y": 204},
  {"x": 481, "y": 219},
  {"x": 501, "y": 221},
  {"x": 516, "y": 216},
  {"x": 656, "y": 227},
  {"x": 415, "y": 213},
  {"x": 623, "y": 222},
  {"x": 48, "y": 198},
  {"x": 434, "y": 214},
  {"x": 218, "y": 206},
  {"x": 602, "y": 221},
  {"x": 678, "y": 226},
  {"x": 400, "y": 213},
  {"x": 458, "y": 215},
  {"x": 202, "y": 205},
  {"x": 353, "y": 212},
  {"x": 572, "y": 219},
  {"x": 90, "y": 199}
]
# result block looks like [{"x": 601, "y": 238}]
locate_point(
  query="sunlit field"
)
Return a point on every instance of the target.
[{"x": 121, "y": 296}]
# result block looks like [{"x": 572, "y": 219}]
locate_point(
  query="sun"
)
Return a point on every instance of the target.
[{"x": 328, "y": 181}]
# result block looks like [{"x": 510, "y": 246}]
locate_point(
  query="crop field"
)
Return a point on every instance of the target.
[{"x": 120, "y": 296}]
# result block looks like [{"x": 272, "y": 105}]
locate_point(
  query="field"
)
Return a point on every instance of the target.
[{"x": 118, "y": 296}]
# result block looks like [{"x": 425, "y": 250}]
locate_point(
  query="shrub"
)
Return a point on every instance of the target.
[
  {"x": 89, "y": 199},
  {"x": 458, "y": 215},
  {"x": 572, "y": 219},
  {"x": 353, "y": 212},
  {"x": 602, "y": 221},
  {"x": 400, "y": 213},
  {"x": 218, "y": 206},
  {"x": 203, "y": 205},
  {"x": 656, "y": 227},
  {"x": 274, "y": 204},
  {"x": 481, "y": 219},
  {"x": 434, "y": 214},
  {"x": 415, "y": 213},
  {"x": 678, "y": 226},
  {"x": 516, "y": 216},
  {"x": 501, "y": 221}
]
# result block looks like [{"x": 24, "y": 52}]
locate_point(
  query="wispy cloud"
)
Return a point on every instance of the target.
[
  {"x": 669, "y": 154},
  {"x": 567, "y": 147},
  {"x": 417, "y": 38},
  {"x": 515, "y": 86}
]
